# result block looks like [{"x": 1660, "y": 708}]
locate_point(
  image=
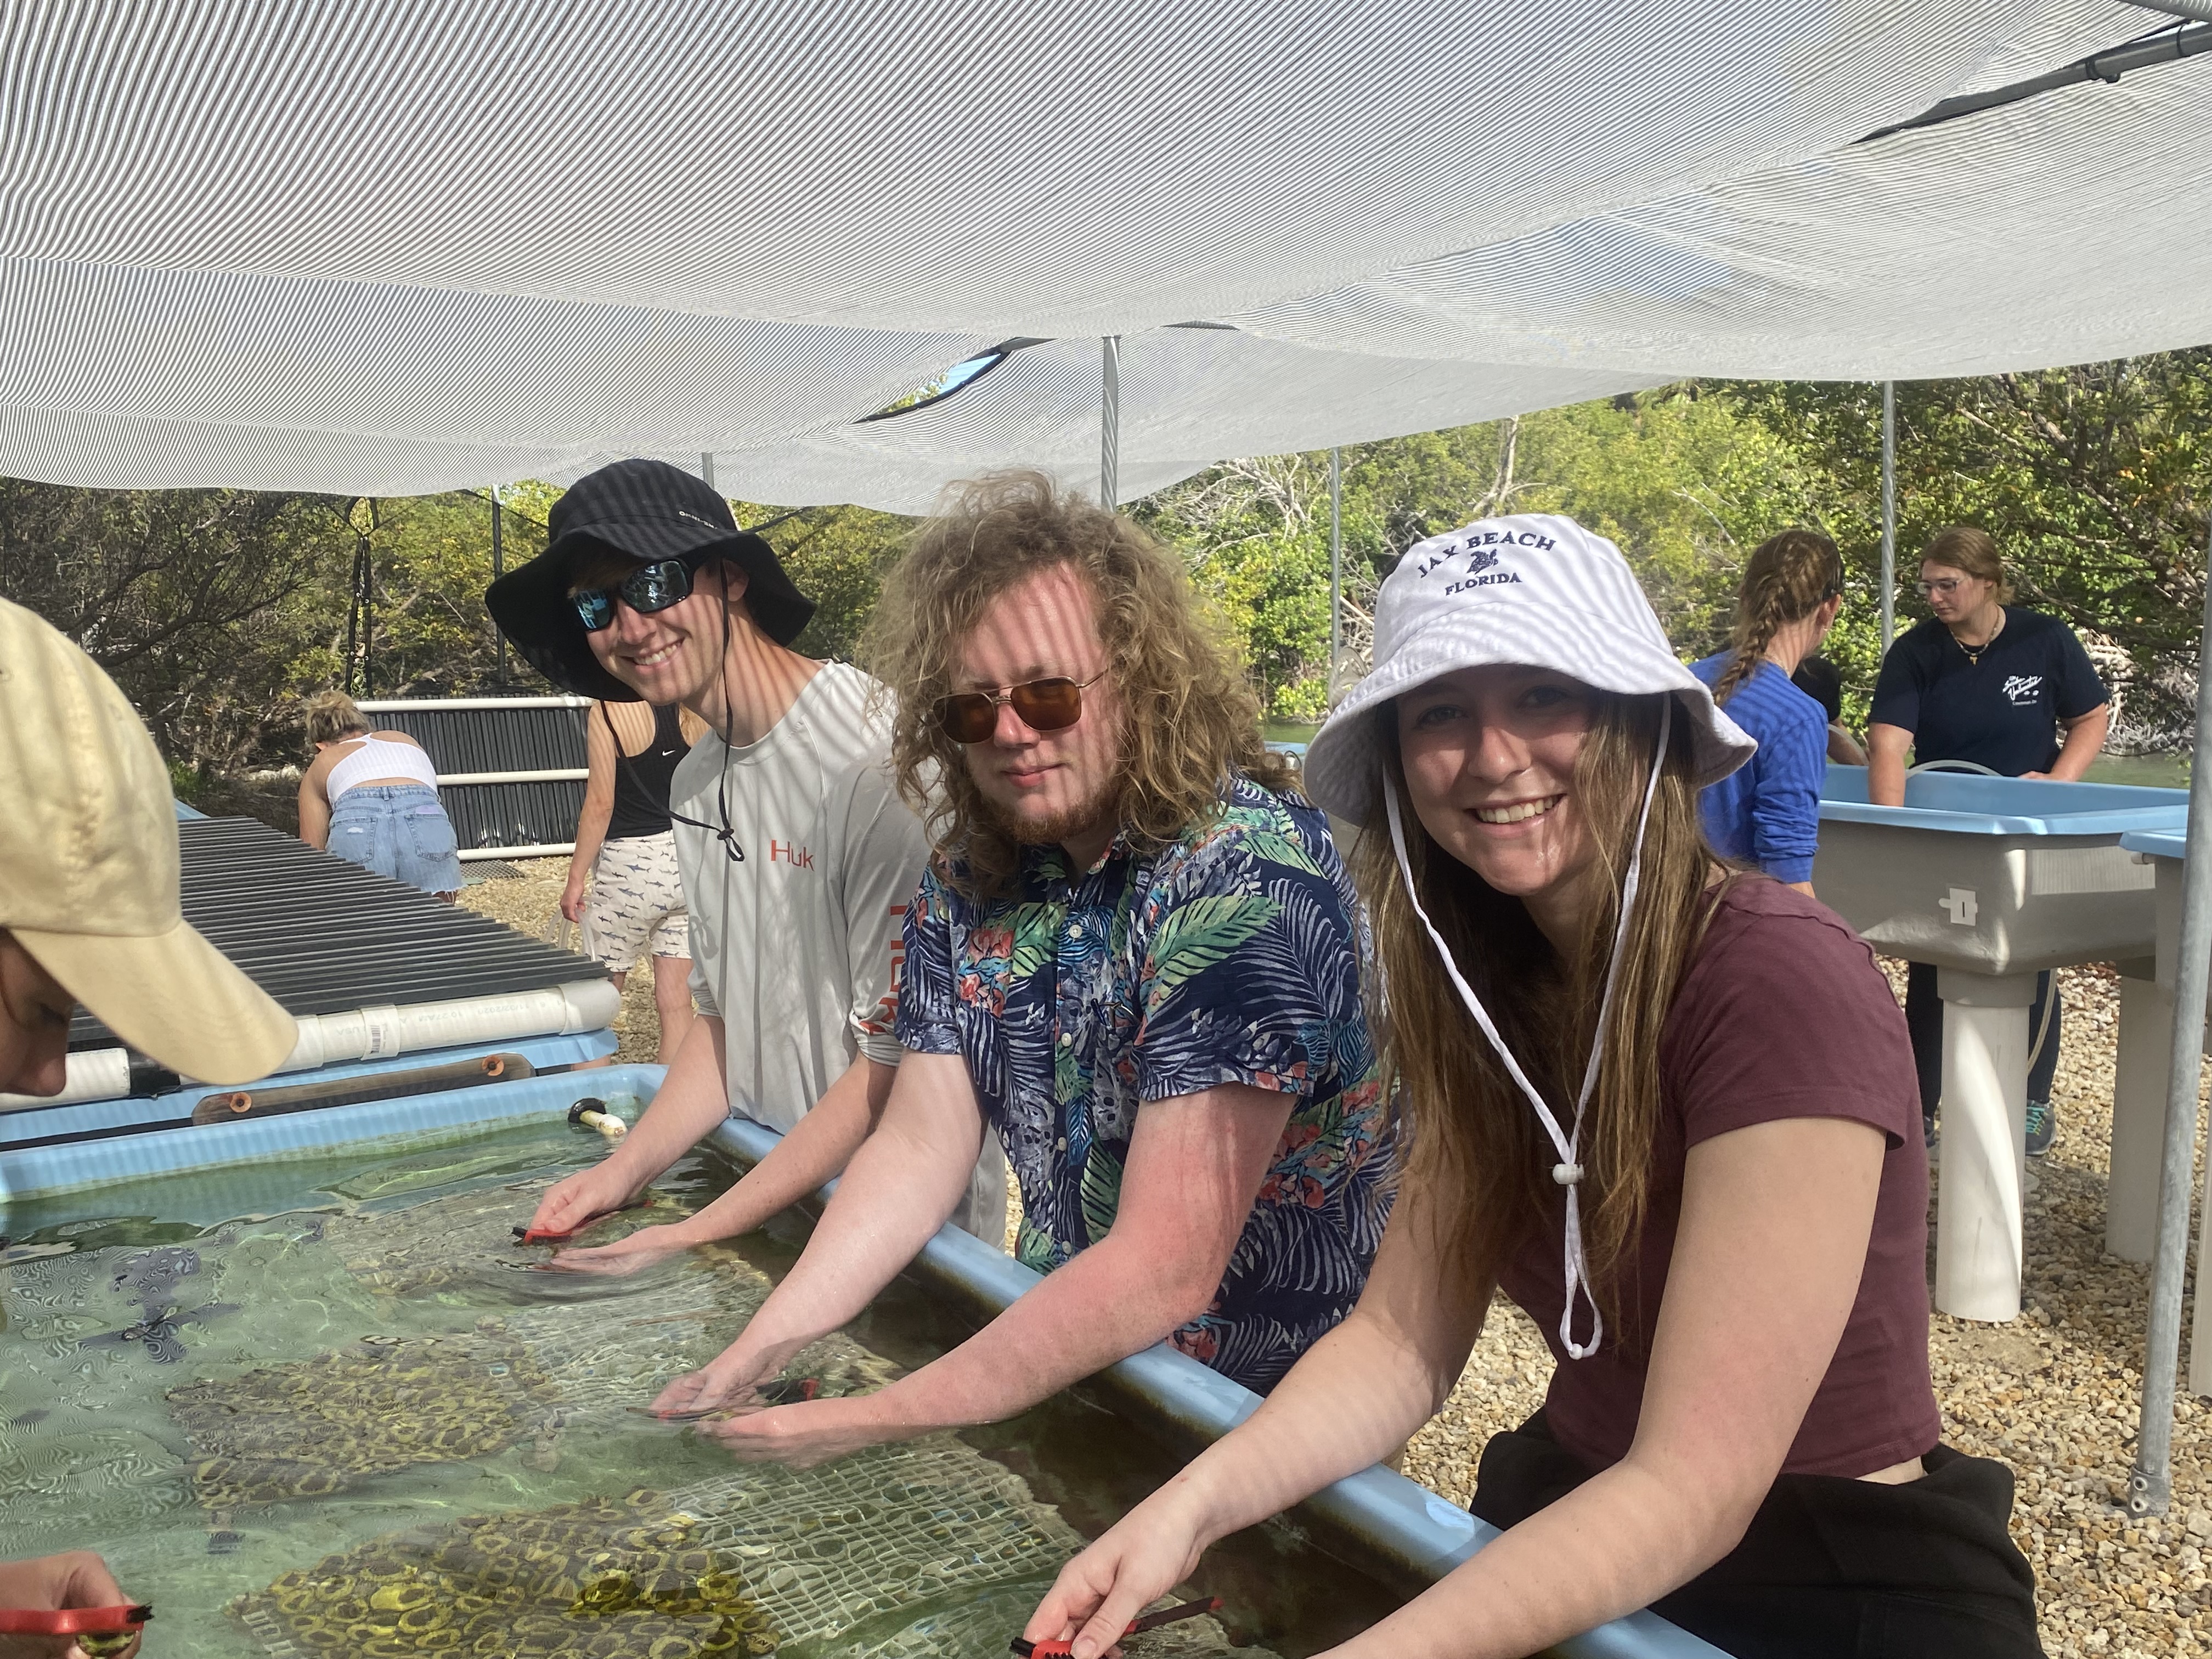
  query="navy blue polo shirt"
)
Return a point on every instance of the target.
[{"x": 2002, "y": 712}]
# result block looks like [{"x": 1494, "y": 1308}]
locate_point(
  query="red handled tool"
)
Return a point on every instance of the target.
[
  {"x": 542, "y": 1236},
  {"x": 75, "y": 1621},
  {"x": 1056, "y": 1648}
]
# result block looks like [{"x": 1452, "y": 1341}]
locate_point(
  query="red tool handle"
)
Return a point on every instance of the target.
[
  {"x": 72, "y": 1622},
  {"x": 542, "y": 1236},
  {"x": 1058, "y": 1647}
]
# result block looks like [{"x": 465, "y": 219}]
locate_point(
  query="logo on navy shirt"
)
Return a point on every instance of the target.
[{"x": 2021, "y": 689}]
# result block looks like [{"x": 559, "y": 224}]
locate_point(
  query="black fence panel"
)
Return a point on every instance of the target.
[
  {"x": 470, "y": 737},
  {"x": 513, "y": 814}
]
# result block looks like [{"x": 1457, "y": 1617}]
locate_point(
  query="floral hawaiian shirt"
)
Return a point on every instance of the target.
[{"x": 1231, "y": 956}]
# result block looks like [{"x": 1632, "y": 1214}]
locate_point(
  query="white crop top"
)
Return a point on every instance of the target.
[{"x": 380, "y": 758}]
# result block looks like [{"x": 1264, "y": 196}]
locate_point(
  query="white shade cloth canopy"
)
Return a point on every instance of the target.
[{"x": 395, "y": 247}]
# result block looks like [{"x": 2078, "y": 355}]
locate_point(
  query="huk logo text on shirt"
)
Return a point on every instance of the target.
[
  {"x": 2020, "y": 690},
  {"x": 798, "y": 858}
]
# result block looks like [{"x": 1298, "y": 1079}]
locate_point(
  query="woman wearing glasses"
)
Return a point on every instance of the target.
[{"x": 1994, "y": 688}]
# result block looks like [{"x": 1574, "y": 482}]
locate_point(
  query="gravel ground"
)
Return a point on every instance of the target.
[
  {"x": 529, "y": 901},
  {"x": 2054, "y": 1394}
]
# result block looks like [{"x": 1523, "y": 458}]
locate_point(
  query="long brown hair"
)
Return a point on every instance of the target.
[
  {"x": 1189, "y": 716},
  {"x": 1788, "y": 578},
  {"x": 1478, "y": 1155}
]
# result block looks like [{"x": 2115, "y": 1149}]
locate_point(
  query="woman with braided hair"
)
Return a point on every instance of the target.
[{"x": 1767, "y": 813}]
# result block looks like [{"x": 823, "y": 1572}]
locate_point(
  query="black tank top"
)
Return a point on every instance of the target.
[{"x": 642, "y": 781}]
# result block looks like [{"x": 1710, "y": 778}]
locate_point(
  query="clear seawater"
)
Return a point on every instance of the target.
[{"x": 330, "y": 1408}]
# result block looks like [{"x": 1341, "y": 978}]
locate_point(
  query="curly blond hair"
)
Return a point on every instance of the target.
[{"x": 1190, "y": 717}]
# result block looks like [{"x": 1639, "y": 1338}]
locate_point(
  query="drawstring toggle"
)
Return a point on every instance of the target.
[{"x": 1566, "y": 1173}]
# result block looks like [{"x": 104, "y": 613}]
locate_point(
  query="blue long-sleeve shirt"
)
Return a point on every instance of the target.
[{"x": 1767, "y": 811}]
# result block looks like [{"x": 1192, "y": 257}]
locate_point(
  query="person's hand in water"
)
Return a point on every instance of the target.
[
  {"x": 574, "y": 1199},
  {"x": 804, "y": 1434},
  {"x": 626, "y": 1255},
  {"x": 731, "y": 1379},
  {"x": 1138, "y": 1560},
  {"x": 78, "y": 1578}
]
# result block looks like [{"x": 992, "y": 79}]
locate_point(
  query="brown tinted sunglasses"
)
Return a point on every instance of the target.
[{"x": 1049, "y": 705}]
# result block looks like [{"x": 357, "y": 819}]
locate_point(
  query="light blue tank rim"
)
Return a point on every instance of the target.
[
  {"x": 1400, "y": 1517},
  {"x": 2158, "y": 843},
  {"x": 34, "y": 1123},
  {"x": 46, "y": 1171},
  {"x": 185, "y": 811},
  {"x": 1960, "y": 802}
]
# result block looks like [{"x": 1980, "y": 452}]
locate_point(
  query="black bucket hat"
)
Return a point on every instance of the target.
[{"x": 643, "y": 510}]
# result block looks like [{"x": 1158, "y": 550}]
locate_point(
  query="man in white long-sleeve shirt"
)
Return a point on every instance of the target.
[{"x": 798, "y": 858}]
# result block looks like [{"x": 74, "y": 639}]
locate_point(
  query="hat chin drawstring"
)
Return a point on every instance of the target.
[{"x": 1568, "y": 1172}]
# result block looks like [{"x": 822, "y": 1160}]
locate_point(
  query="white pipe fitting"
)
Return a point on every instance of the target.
[{"x": 378, "y": 1033}]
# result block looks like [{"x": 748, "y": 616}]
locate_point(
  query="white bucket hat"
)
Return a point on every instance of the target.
[
  {"x": 1538, "y": 590},
  {"x": 1531, "y": 588}
]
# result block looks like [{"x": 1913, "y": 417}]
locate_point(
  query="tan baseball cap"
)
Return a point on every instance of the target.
[{"x": 88, "y": 868}]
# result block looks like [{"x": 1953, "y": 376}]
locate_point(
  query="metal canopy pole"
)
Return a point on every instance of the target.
[
  {"x": 707, "y": 470},
  {"x": 1888, "y": 513},
  {"x": 1335, "y": 563},
  {"x": 498, "y": 567},
  {"x": 1110, "y": 423},
  {"x": 2150, "y": 1485}
]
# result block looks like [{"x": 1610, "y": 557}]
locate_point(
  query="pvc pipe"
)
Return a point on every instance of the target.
[
  {"x": 377, "y": 1033},
  {"x": 92, "y": 1074},
  {"x": 537, "y": 849},
  {"x": 401, "y": 705},
  {"x": 2150, "y": 1485},
  {"x": 1978, "y": 1252},
  {"x": 1404, "y": 1522}
]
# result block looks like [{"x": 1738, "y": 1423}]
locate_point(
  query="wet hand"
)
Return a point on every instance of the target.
[
  {"x": 803, "y": 1435},
  {"x": 625, "y": 1255},
  {"x": 728, "y": 1380},
  {"x": 1134, "y": 1564},
  {"x": 574, "y": 1199},
  {"x": 77, "y": 1579}
]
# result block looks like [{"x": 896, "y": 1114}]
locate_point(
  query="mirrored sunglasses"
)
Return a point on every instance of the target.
[
  {"x": 1047, "y": 705},
  {"x": 646, "y": 589}
]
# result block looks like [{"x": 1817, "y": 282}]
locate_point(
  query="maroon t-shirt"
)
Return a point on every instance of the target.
[{"x": 1782, "y": 1014}]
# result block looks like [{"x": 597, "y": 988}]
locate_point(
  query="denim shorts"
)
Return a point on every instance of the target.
[{"x": 398, "y": 829}]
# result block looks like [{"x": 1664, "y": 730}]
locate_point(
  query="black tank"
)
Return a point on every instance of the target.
[{"x": 641, "y": 780}]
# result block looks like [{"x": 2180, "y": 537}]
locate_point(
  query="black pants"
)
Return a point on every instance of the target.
[
  {"x": 1829, "y": 1568},
  {"x": 1924, "y": 1018}
]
